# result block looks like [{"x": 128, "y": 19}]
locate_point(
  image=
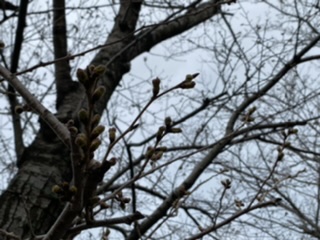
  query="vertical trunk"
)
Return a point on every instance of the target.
[{"x": 28, "y": 206}]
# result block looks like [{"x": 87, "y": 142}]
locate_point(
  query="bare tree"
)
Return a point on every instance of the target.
[{"x": 231, "y": 153}]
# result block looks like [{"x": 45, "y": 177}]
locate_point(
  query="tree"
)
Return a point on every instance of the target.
[{"x": 231, "y": 155}]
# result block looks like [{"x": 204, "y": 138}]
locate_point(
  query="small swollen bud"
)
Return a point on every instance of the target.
[
  {"x": 175, "y": 130},
  {"x": 168, "y": 122},
  {"x": 95, "y": 144},
  {"x": 83, "y": 116},
  {"x": 239, "y": 203},
  {"x": 156, "y": 86},
  {"x": 73, "y": 130},
  {"x": 97, "y": 131},
  {"x": 73, "y": 189},
  {"x": 90, "y": 69},
  {"x": 157, "y": 156},
  {"x": 112, "y": 135},
  {"x": 149, "y": 152},
  {"x": 160, "y": 133},
  {"x": 95, "y": 120},
  {"x": 56, "y": 189},
  {"x": 82, "y": 77},
  {"x": 98, "y": 93},
  {"x": 252, "y": 110},
  {"x": 120, "y": 195},
  {"x": 18, "y": 109},
  {"x": 99, "y": 70},
  {"x": 70, "y": 123},
  {"x": 81, "y": 140},
  {"x": 280, "y": 156},
  {"x": 250, "y": 119},
  {"x": 190, "y": 77},
  {"x": 187, "y": 85},
  {"x": 226, "y": 183},
  {"x": 112, "y": 161}
]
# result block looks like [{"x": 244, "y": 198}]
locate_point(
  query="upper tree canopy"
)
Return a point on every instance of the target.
[{"x": 229, "y": 151}]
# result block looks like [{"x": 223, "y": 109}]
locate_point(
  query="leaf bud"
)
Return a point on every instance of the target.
[
  {"x": 81, "y": 140},
  {"x": 82, "y": 77},
  {"x": 238, "y": 203},
  {"x": 73, "y": 130},
  {"x": 18, "y": 109},
  {"x": 73, "y": 189},
  {"x": 226, "y": 183},
  {"x": 175, "y": 130},
  {"x": 83, "y": 115},
  {"x": 168, "y": 122},
  {"x": 252, "y": 110},
  {"x": 112, "y": 135},
  {"x": 98, "y": 93},
  {"x": 250, "y": 119},
  {"x": 156, "y": 156},
  {"x": 95, "y": 144},
  {"x": 187, "y": 85},
  {"x": 280, "y": 156},
  {"x": 156, "y": 87},
  {"x": 56, "y": 189},
  {"x": 120, "y": 195},
  {"x": 190, "y": 77},
  {"x": 70, "y": 123},
  {"x": 99, "y": 70},
  {"x": 160, "y": 133},
  {"x": 113, "y": 161},
  {"x": 90, "y": 69},
  {"x": 149, "y": 152},
  {"x": 97, "y": 131},
  {"x": 95, "y": 120}
]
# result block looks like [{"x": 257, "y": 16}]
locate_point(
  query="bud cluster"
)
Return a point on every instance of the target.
[
  {"x": 167, "y": 128},
  {"x": 286, "y": 144},
  {"x": 64, "y": 191},
  {"x": 122, "y": 200},
  {"x": 20, "y": 109},
  {"x": 188, "y": 82},
  {"x": 248, "y": 118},
  {"x": 226, "y": 183},
  {"x": 88, "y": 140}
]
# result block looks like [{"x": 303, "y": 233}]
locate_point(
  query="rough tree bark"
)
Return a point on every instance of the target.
[{"x": 28, "y": 206}]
